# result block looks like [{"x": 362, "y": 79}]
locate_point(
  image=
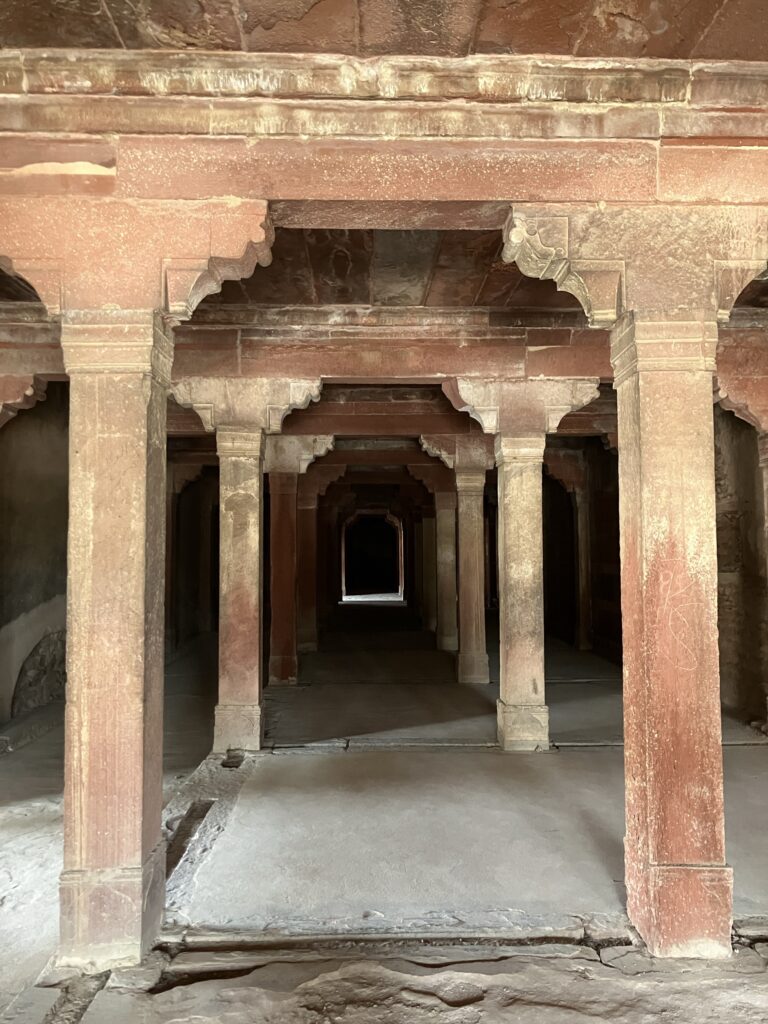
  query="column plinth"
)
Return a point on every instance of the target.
[
  {"x": 472, "y": 662},
  {"x": 678, "y": 884},
  {"x": 523, "y": 716},
  {"x": 238, "y": 724}
]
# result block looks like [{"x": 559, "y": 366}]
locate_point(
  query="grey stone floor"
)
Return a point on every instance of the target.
[{"x": 330, "y": 834}]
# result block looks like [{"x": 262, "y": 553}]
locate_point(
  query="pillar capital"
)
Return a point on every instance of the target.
[
  {"x": 240, "y": 444},
  {"x": 519, "y": 449},
  {"x": 640, "y": 344},
  {"x": 470, "y": 481},
  {"x": 123, "y": 344},
  {"x": 256, "y": 403}
]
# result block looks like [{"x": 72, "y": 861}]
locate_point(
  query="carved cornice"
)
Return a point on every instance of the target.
[
  {"x": 597, "y": 284},
  {"x": 19, "y": 393}
]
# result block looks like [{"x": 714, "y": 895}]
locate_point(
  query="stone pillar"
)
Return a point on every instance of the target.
[
  {"x": 584, "y": 566},
  {"x": 678, "y": 885},
  {"x": 445, "y": 540},
  {"x": 429, "y": 572},
  {"x": 283, "y": 660},
  {"x": 238, "y": 712},
  {"x": 307, "y": 566},
  {"x": 113, "y": 883},
  {"x": 523, "y": 716},
  {"x": 473, "y": 655}
]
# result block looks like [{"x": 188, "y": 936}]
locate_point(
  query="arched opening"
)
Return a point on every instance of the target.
[{"x": 372, "y": 558}]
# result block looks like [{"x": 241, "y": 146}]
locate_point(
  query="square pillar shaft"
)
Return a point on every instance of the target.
[
  {"x": 238, "y": 712},
  {"x": 429, "y": 573},
  {"x": 584, "y": 567},
  {"x": 283, "y": 660},
  {"x": 445, "y": 542},
  {"x": 473, "y": 655},
  {"x": 307, "y": 573},
  {"x": 523, "y": 716},
  {"x": 678, "y": 885},
  {"x": 113, "y": 884}
]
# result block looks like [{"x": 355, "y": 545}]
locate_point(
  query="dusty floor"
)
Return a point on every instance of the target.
[{"x": 360, "y": 835}]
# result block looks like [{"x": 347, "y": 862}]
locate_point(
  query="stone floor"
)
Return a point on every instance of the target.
[{"x": 357, "y": 835}]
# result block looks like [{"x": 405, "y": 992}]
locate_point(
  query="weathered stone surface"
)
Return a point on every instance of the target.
[{"x": 534, "y": 988}]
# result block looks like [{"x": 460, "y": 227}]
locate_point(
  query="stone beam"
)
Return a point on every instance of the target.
[{"x": 294, "y": 454}]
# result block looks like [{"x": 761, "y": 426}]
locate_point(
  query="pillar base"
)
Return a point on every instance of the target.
[
  {"x": 473, "y": 667},
  {"x": 684, "y": 910},
  {"x": 237, "y": 727},
  {"x": 110, "y": 917},
  {"x": 450, "y": 642},
  {"x": 523, "y": 726},
  {"x": 283, "y": 671}
]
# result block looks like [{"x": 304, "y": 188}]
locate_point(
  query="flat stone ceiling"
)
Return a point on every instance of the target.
[
  {"x": 390, "y": 268},
  {"x": 718, "y": 29}
]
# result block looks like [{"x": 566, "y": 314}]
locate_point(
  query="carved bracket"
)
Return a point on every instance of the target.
[
  {"x": 293, "y": 453},
  {"x": 521, "y": 407},
  {"x": 243, "y": 229},
  {"x": 597, "y": 284},
  {"x": 258, "y": 403},
  {"x": 19, "y": 393}
]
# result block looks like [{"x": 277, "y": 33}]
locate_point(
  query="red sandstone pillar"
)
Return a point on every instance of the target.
[
  {"x": 429, "y": 572},
  {"x": 445, "y": 539},
  {"x": 113, "y": 883},
  {"x": 678, "y": 885},
  {"x": 283, "y": 661},
  {"x": 473, "y": 655},
  {"x": 238, "y": 713},
  {"x": 523, "y": 716},
  {"x": 307, "y": 566}
]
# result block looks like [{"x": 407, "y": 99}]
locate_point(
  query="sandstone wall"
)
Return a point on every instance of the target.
[{"x": 33, "y": 553}]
